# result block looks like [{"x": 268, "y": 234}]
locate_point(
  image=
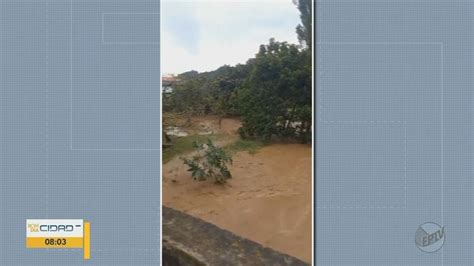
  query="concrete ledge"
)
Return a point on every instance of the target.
[{"x": 191, "y": 241}]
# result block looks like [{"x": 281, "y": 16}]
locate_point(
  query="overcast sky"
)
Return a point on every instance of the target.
[{"x": 203, "y": 35}]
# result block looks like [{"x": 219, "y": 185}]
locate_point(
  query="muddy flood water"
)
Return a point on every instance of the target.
[{"x": 268, "y": 200}]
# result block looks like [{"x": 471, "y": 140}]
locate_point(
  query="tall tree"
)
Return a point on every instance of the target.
[
  {"x": 304, "y": 30},
  {"x": 276, "y": 93}
]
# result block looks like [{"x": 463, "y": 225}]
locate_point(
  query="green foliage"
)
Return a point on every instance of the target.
[
  {"x": 271, "y": 92},
  {"x": 209, "y": 92},
  {"x": 182, "y": 145},
  {"x": 189, "y": 97},
  {"x": 188, "y": 75},
  {"x": 209, "y": 162},
  {"x": 304, "y": 30},
  {"x": 277, "y": 94}
]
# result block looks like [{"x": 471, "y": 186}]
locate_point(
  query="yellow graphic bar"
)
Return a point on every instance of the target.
[
  {"x": 59, "y": 233},
  {"x": 54, "y": 242},
  {"x": 87, "y": 240}
]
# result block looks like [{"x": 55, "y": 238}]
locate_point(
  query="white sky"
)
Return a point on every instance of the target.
[{"x": 204, "y": 35}]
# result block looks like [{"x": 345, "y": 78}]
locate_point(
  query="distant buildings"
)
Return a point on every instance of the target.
[{"x": 168, "y": 83}]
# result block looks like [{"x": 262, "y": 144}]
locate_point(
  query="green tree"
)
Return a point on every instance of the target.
[
  {"x": 271, "y": 92},
  {"x": 304, "y": 30},
  {"x": 276, "y": 91}
]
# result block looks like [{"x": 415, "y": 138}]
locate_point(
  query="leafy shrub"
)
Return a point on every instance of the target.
[{"x": 209, "y": 162}]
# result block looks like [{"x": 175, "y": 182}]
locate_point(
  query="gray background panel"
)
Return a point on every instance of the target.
[
  {"x": 394, "y": 130},
  {"x": 79, "y": 130}
]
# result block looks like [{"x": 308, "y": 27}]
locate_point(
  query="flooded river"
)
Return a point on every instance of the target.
[{"x": 268, "y": 200}]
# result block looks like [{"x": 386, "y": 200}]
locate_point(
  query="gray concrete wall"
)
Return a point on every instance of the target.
[{"x": 191, "y": 241}]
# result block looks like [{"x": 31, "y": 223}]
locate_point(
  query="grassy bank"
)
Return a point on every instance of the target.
[
  {"x": 182, "y": 145},
  {"x": 251, "y": 146}
]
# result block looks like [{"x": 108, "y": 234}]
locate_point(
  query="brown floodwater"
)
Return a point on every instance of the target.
[{"x": 268, "y": 200}]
